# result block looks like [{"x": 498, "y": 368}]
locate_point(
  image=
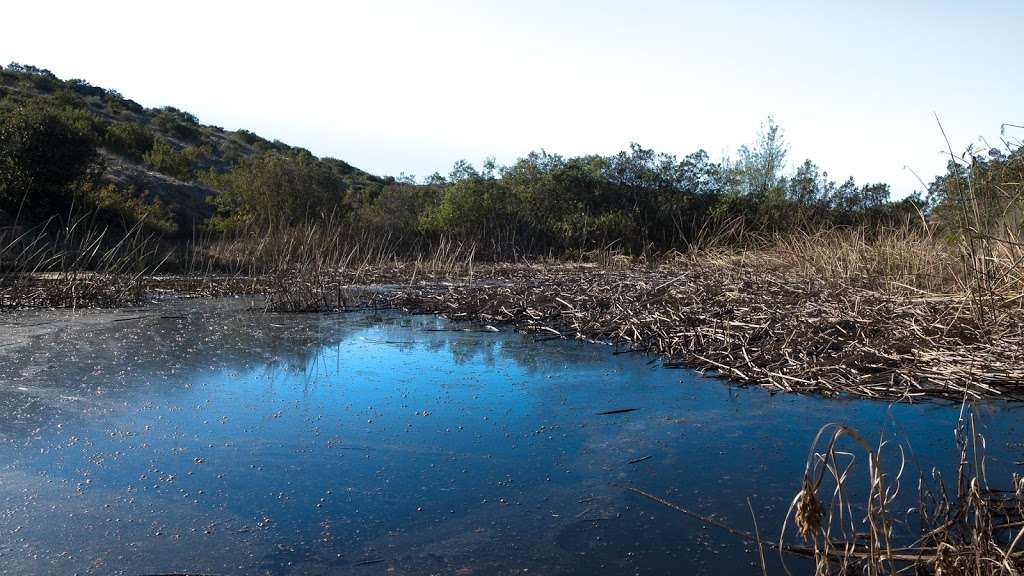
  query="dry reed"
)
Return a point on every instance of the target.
[
  {"x": 846, "y": 520},
  {"x": 57, "y": 265}
]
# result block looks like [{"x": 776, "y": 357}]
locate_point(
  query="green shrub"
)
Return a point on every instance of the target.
[
  {"x": 82, "y": 120},
  {"x": 291, "y": 188},
  {"x": 125, "y": 209},
  {"x": 45, "y": 84},
  {"x": 45, "y": 157},
  {"x": 129, "y": 140},
  {"x": 65, "y": 98},
  {"x": 163, "y": 158},
  {"x": 178, "y": 124},
  {"x": 247, "y": 137},
  {"x": 82, "y": 87}
]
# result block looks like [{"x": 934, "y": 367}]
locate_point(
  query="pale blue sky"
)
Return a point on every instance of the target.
[{"x": 407, "y": 86}]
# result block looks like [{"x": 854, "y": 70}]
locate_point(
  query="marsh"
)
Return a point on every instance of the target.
[{"x": 207, "y": 436}]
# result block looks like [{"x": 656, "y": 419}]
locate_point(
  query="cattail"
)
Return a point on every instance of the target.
[
  {"x": 945, "y": 562},
  {"x": 808, "y": 510}
]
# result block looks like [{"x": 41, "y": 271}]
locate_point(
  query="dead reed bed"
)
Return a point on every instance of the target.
[
  {"x": 299, "y": 268},
  {"x": 758, "y": 319},
  {"x": 314, "y": 269}
]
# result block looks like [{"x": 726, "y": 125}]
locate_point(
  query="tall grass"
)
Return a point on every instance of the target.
[
  {"x": 310, "y": 267},
  {"x": 73, "y": 264},
  {"x": 980, "y": 261}
]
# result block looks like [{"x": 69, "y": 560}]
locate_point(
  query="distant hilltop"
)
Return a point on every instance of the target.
[{"x": 151, "y": 160}]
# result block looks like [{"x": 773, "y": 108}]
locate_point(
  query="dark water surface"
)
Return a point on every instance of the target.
[{"x": 201, "y": 437}]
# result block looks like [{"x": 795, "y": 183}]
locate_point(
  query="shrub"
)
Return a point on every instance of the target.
[
  {"x": 129, "y": 140},
  {"x": 45, "y": 155},
  {"x": 45, "y": 84},
  {"x": 84, "y": 88},
  {"x": 396, "y": 209},
  {"x": 163, "y": 158},
  {"x": 291, "y": 188},
  {"x": 126, "y": 209},
  {"x": 247, "y": 137},
  {"x": 67, "y": 98},
  {"x": 82, "y": 120},
  {"x": 178, "y": 124},
  {"x": 131, "y": 105}
]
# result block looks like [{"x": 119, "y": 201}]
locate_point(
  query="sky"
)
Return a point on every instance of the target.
[{"x": 406, "y": 86}]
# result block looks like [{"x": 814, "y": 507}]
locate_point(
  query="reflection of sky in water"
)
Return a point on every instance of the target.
[{"x": 231, "y": 442}]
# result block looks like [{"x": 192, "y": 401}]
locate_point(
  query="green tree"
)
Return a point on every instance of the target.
[
  {"x": 289, "y": 187},
  {"x": 761, "y": 164}
]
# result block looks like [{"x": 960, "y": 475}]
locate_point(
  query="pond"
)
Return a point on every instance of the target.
[{"x": 204, "y": 437}]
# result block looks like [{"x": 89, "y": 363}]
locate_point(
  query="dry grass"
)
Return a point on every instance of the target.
[
  {"x": 756, "y": 322},
  {"x": 312, "y": 268},
  {"x": 960, "y": 526},
  {"x": 847, "y": 515},
  {"x": 74, "y": 265},
  {"x": 907, "y": 260}
]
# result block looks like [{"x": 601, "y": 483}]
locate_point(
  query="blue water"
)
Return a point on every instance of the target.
[{"x": 216, "y": 440}]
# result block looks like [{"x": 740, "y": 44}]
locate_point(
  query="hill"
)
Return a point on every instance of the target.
[{"x": 157, "y": 163}]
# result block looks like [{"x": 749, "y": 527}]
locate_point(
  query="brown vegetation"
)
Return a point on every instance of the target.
[
  {"x": 958, "y": 526},
  {"x": 834, "y": 313}
]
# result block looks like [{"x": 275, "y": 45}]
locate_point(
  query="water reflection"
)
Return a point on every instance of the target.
[{"x": 200, "y": 437}]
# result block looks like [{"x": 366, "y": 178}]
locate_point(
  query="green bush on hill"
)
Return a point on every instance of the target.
[
  {"x": 163, "y": 158},
  {"x": 45, "y": 160},
  {"x": 129, "y": 140},
  {"x": 177, "y": 123},
  {"x": 124, "y": 209},
  {"x": 289, "y": 187}
]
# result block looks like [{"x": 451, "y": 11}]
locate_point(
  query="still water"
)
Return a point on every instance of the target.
[{"x": 205, "y": 438}]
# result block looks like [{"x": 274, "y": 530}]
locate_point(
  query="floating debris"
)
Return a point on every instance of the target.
[{"x": 617, "y": 411}]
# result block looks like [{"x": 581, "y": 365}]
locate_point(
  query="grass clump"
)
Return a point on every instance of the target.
[{"x": 72, "y": 266}]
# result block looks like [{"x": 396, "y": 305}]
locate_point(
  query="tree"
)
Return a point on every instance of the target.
[
  {"x": 291, "y": 188},
  {"x": 804, "y": 187},
  {"x": 760, "y": 166}
]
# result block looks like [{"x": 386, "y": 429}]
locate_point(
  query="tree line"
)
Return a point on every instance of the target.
[{"x": 637, "y": 200}]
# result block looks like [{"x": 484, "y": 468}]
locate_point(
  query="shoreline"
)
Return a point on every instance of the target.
[
  {"x": 753, "y": 325},
  {"x": 759, "y": 327}
]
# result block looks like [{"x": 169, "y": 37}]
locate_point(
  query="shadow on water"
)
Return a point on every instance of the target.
[{"x": 201, "y": 437}]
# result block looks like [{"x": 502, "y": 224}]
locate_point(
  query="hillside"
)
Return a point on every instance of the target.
[
  {"x": 152, "y": 158},
  {"x": 67, "y": 147}
]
